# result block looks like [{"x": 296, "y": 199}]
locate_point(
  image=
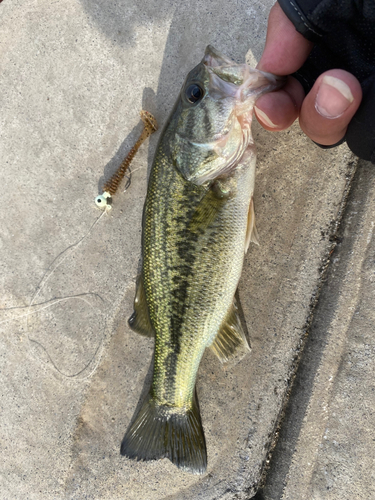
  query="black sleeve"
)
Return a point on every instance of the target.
[{"x": 344, "y": 35}]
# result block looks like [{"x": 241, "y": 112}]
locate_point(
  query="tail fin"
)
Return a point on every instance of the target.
[{"x": 166, "y": 431}]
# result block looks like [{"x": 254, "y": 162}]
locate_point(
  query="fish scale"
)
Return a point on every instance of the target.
[
  {"x": 197, "y": 222},
  {"x": 202, "y": 305}
]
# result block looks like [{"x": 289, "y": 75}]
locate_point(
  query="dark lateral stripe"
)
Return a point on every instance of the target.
[
  {"x": 191, "y": 228},
  {"x": 185, "y": 244}
]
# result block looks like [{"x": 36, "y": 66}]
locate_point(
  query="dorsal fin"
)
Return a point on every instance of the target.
[
  {"x": 251, "y": 233},
  {"x": 139, "y": 321},
  {"x": 230, "y": 338}
]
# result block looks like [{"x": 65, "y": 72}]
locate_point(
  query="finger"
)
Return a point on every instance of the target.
[
  {"x": 278, "y": 110},
  {"x": 286, "y": 50},
  {"x": 329, "y": 106}
]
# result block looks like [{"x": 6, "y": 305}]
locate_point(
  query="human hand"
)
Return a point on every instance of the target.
[{"x": 328, "y": 108}]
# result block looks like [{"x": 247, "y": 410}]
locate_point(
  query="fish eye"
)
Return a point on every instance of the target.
[{"x": 194, "y": 93}]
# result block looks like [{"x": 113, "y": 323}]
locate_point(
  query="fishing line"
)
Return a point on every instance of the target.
[
  {"x": 124, "y": 170},
  {"x": 55, "y": 264},
  {"x": 49, "y": 303},
  {"x": 45, "y": 305},
  {"x": 130, "y": 176}
]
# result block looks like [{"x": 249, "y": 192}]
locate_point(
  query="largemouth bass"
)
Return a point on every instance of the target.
[{"x": 198, "y": 221}]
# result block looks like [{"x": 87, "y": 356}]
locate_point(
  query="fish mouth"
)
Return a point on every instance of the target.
[
  {"x": 233, "y": 87},
  {"x": 239, "y": 80},
  {"x": 213, "y": 58}
]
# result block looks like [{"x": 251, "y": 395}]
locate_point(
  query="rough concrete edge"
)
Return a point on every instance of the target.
[{"x": 352, "y": 168}]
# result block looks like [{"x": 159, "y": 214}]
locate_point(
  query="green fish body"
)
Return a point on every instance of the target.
[{"x": 197, "y": 224}]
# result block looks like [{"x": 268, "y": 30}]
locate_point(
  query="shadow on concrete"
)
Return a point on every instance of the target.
[
  {"x": 119, "y": 20},
  {"x": 148, "y": 103}
]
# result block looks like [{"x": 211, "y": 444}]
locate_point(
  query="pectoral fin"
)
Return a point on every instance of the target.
[
  {"x": 252, "y": 233},
  {"x": 230, "y": 339},
  {"x": 139, "y": 321}
]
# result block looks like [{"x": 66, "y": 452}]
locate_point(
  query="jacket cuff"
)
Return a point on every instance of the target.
[{"x": 294, "y": 13}]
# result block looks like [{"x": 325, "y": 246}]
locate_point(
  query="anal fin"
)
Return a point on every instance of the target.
[
  {"x": 139, "y": 321},
  {"x": 230, "y": 339}
]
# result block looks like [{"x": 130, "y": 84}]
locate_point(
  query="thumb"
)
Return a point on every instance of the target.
[
  {"x": 286, "y": 50},
  {"x": 329, "y": 106}
]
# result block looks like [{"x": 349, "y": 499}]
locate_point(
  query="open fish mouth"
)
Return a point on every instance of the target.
[
  {"x": 215, "y": 128},
  {"x": 239, "y": 80},
  {"x": 241, "y": 86}
]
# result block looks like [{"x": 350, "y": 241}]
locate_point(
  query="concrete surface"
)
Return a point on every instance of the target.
[
  {"x": 74, "y": 77},
  {"x": 326, "y": 445}
]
